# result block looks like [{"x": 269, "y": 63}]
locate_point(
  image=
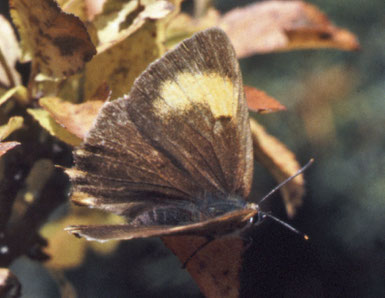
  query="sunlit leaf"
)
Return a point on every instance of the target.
[
  {"x": 19, "y": 93},
  {"x": 13, "y": 124},
  {"x": 281, "y": 163},
  {"x": 129, "y": 41},
  {"x": 47, "y": 122},
  {"x": 65, "y": 256}
]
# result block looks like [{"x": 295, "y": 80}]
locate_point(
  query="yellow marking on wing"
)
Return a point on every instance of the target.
[{"x": 211, "y": 90}]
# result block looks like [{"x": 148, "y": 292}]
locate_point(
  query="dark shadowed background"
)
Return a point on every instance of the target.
[{"x": 335, "y": 113}]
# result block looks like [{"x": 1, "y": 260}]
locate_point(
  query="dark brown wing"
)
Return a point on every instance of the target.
[
  {"x": 182, "y": 132},
  {"x": 222, "y": 225}
]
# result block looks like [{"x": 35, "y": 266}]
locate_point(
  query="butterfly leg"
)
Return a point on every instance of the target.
[{"x": 204, "y": 244}]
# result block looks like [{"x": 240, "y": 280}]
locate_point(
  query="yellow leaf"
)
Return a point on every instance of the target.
[
  {"x": 122, "y": 63},
  {"x": 13, "y": 124},
  {"x": 46, "y": 121},
  {"x": 20, "y": 93},
  {"x": 65, "y": 250}
]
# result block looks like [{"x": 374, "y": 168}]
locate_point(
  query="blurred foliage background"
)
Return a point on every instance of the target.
[{"x": 335, "y": 113}]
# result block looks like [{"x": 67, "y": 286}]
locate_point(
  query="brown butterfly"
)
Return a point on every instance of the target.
[{"x": 174, "y": 157}]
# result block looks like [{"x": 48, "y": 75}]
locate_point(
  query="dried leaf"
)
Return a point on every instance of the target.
[
  {"x": 5, "y": 146},
  {"x": 123, "y": 63},
  {"x": 75, "y": 118},
  {"x": 47, "y": 122},
  {"x": 283, "y": 25},
  {"x": 281, "y": 163},
  {"x": 9, "y": 54},
  {"x": 258, "y": 101},
  {"x": 120, "y": 20},
  {"x": 20, "y": 93},
  {"x": 13, "y": 124},
  {"x": 129, "y": 41},
  {"x": 57, "y": 42},
  {"x": 216, "y": 267}
]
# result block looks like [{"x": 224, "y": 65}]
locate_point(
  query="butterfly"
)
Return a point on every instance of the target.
[{"x": 175, "y": 156}]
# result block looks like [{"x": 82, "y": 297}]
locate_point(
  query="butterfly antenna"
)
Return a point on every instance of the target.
[
  {"x": 291, "y": 228},
  {"x": 279, "y": 186}
]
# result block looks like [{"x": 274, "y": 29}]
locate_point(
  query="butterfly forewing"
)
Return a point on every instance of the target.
[{"x": 182, "y": 133}]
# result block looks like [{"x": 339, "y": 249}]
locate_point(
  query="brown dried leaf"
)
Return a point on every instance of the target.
[
  {"x": 13, "y": 124},
  {"x": 258, "y": 101},
  {"x": 9, "y": 54},
  {"x": 75, "y": 118},
  {"x": 215, "y": 268},
  {"x": 48, "y": 123},
  {"x": 5, "y": 146},
  {"x": 281, "y": 163},
  {"x": 57, "y": 42},
  {"x": 283, "y": 25}
]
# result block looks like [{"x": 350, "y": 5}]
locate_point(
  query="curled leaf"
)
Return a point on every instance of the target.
[
  {"x": 281, "y": 163},
  {"x": 269, "y": 26},
  {"x": 57, "y": 42},
  {"x": 75, "y": 118},
  {"x": 47, "y": 122},
  {"x": 216, "y": 267},
  {"x": 258, "y": 101}
]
